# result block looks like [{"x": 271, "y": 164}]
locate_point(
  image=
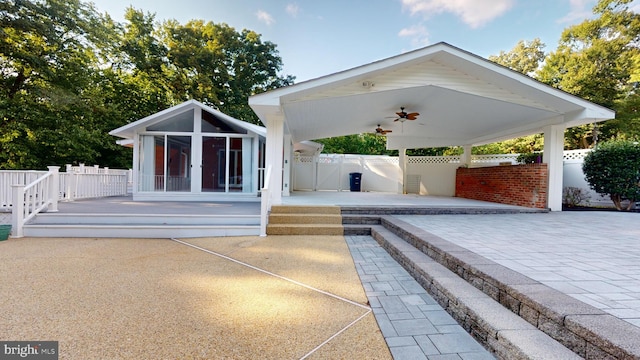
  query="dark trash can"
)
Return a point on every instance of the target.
[{"x": 355, "y": 179}]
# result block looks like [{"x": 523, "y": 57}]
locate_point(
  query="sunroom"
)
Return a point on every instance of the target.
[{"x": 193, "y": 152}]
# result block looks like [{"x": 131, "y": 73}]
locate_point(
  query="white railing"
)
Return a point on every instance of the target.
[
  {"x": 10, "y": 177},
  {"x": 74, "y": 186},
  {"x": 265, "y": 203},
  {"x": 33, "y": 198}
]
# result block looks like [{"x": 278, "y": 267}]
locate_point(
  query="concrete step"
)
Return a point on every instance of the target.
[
  {"x": 504, "y": 333},
  {"x": 304, "y": 229},
  {"x": 304, "y": 218},
  {"x": 146, "y": 231},
  {"x": 304, "y": 209}
]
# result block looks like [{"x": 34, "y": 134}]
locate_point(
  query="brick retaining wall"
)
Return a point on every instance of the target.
[{"x": 521, "y": 185}]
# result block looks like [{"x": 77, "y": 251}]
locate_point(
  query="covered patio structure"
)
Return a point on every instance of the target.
[{"x": 462, "y": 100}]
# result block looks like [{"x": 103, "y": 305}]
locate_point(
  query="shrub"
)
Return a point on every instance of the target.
[
  {"x": 529, "y": 158},
  {"x": 574, "y": 196},
  {"x": 614, "y": 169}
]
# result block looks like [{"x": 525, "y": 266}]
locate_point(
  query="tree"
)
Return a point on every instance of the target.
[
  {"x": 598, "y": 61},
  {"x": 219, "y": 66},
  {"x": 524, "y": 58},
  {"x": 47, "y": 63},
  {"x": 69, "y": 75},
  {"x": 613, "y": 169}
]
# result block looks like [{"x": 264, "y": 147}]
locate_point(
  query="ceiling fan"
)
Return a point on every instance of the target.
[
  {"x": 403, "y": 115},
  {"x": 381, "y": 131}
]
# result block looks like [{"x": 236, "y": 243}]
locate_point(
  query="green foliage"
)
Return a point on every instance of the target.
[
  {"x": 613, "y": 169},
  {"x": 599, "y": 60},
  {"x": 69, "y": 75},
  {"x": 519, "y": 145},
  {"x": 524, "y": 58},
  {"x": 364, "y": 144},
  {"x": 529, "y": 158}
]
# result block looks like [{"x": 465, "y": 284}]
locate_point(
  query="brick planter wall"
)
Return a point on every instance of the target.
[{"x": 522, "y": 185}]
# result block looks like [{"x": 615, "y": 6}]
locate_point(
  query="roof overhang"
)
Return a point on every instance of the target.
[{"x": 462, "y": 99}]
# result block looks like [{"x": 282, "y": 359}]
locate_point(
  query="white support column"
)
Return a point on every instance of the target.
[
  {"x": 274, "y": 152},
  {"x": 402, "y": 162},
  {"x": 553, "y": 152},
  {"x": 17, "y": 210},
  {"x": 286, "y": 169},
  {"x": 54, "y": 188},
  {"x": 137, "y": 166},
  {"x": 465, "y": 158}
]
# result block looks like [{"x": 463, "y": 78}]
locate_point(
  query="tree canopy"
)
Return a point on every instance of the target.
[{"x": 71, "y": 74}]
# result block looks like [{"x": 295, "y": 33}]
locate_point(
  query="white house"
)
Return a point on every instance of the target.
[
  {"x": 194, "y": 152},
  {"x": 462, "y": 100}
]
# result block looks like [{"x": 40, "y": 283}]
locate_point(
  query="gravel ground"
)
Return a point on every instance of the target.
[{"x": 277, "y": 297}]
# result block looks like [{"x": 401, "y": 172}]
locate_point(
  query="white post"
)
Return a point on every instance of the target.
[
  {"x": 286, "y": 170},
  {"x": 465, "y": 158},
  {"x": 552, "y": 156},
  {"x": 402, "y": 162},
  {"x": 274, "y": 152},
  {"x": 17, "y": 211},
  {"x": 54, "y": 188}
]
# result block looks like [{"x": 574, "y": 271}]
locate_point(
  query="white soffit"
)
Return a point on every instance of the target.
[{"x": 462, "y": 99}]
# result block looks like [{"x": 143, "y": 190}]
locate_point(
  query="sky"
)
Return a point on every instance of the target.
[{"x": 319, "y": 37}]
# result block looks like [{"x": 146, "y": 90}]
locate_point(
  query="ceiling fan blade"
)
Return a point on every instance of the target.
[
  {"x": 412, "y": 116},
  {"x": 401, "y": 114}
]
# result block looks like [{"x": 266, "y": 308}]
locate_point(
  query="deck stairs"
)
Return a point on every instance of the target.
[
  {"x": 141, "y": 225},
  {"x": 305, "y": 220}
]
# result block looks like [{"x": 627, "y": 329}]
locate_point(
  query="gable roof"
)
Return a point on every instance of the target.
[
  {"x": 462, "y": 99},
  {"x": 128, "y": 131}
]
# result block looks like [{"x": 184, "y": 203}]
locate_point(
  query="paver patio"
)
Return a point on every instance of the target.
[{"x": 592, "y": 256}]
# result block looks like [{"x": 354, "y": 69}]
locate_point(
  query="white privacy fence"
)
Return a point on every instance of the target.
[{"x": 427, "y": 175}]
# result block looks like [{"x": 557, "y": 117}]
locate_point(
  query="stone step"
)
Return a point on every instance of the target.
[
  {"x": 504, "y": 333},
  {"x": 304, "y": 229},
  {"x": 304, "y": 209},
  {"x": 585, "y": 330},
  {"x": 291, "y": 218}
]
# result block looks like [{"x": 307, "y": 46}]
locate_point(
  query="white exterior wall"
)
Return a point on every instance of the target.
[{"x": 437, "y": 173}]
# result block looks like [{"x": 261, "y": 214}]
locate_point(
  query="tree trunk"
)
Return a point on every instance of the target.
[{"x": 617, "y": 201}]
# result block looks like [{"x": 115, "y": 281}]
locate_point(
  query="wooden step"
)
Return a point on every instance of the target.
[
  {"x": 304, "y": 229},
  {"x": 304, "y": 209},
  {"x": 305, "y": 219}
]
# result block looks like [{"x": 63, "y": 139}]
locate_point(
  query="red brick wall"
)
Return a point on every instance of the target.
[{"x": 522, "y": 185}]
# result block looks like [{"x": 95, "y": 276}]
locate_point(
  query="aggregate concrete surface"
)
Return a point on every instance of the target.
[{"x": 276, "y": 297}]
